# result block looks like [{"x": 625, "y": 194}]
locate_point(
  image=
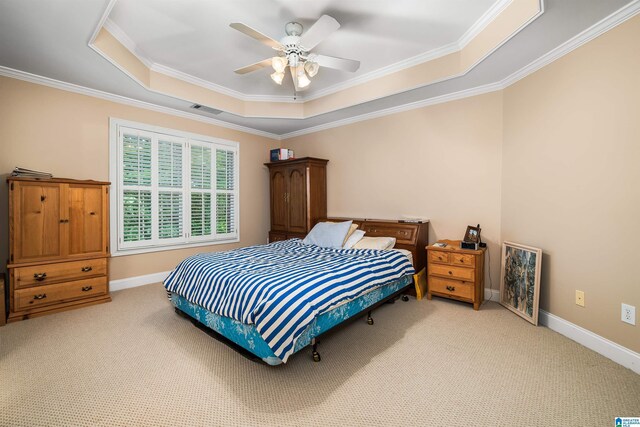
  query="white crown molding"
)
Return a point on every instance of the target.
[
  {"x": 127, "y": 42},
  {"x": 599, "y": 28},
  {"x": 133, "y": 282},
  {"x": 471, "y": 33},
  {"x": 496, "y": 9},
  {"x": 619, "y": 354},
  {"x": 221, "y": 89},
  {"x": 479, "y": 90},
  {"x": 101, "y": 22},
  {"x": 70, "y": 87},
  {"x": 447, "y": 49},
  {"x": 132, "y": 47},
  {"x": 595, "y": 30}
]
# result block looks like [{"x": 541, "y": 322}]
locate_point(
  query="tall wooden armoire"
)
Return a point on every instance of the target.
[
  {"x": 58, "y": 245},
  {"x": 298, "y": 196}
]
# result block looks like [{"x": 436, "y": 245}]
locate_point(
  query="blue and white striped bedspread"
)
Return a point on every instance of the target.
[{"x": 282, "y": 286}]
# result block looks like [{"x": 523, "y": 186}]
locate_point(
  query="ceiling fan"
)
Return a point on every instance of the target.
[{"x": 294, "y": 51}]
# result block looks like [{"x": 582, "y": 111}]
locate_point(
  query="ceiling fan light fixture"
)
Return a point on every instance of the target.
[
  {"x": 303, "y": 80},
  {"x": 279, "y": 64},
  {"x": 277, "y": 77},
  {"x": 311, "y": 68}
]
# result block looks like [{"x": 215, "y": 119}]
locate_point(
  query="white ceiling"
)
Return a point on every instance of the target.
[
  {"x": 194, "y": 37},
  {"x": 50, "y": 39}
]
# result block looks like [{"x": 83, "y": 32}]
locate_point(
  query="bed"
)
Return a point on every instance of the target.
[{"x": 271, "y": 301}]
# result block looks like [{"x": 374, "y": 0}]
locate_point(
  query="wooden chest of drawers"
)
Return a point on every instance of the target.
[
  {"x": 455, "y": 273},
  {"x": 58, "y": 245},
  {"x": 48, "y": 288}
]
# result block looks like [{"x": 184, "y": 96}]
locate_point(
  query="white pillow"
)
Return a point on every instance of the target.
[
  {"x": 328, "y": 234},
  {"x": 355, "y": 237},
  {"x": 381, "y": 243}
]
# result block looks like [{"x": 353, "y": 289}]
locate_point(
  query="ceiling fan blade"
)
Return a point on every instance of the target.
[
  {"x": 245, "y": 29},
  {"x": 253, "y": 67},
  {"x": 318, "y": 32},
  {"x": 337, "y": 63}
]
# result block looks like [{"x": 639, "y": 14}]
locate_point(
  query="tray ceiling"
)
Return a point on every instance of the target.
[{"x": 47, "y": 42}]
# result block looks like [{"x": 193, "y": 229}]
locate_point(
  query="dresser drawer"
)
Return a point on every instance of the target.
[
  {"x": 454, "y": 288},
  {"x": 463, "y": 259},
  {"x": 60, "y": 272},
  {"x": 462, "y": 273},
  {"x": 439, "y": 256},
  {"x": 38, "y": 296}
]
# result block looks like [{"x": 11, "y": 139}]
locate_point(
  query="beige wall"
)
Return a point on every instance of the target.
[
  {"x": 68, "y": 134},
  {"x": 571, "y": 170},
  {"x": 441, "y": 162}
]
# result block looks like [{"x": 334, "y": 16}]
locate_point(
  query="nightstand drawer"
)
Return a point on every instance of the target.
[
  {"x": 463, "y": 259},
  {"x": 462, "y": 273},
  {"x": 439, "y": 256},
  {"x": 451, "y": 287}
]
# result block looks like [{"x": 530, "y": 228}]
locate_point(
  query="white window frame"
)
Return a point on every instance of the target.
[{"x": 118, "y": 246}]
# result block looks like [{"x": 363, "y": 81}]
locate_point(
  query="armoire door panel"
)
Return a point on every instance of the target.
[
  {"x": 297, "y": 198},
  {"x": 278, "y": 200},
  {"x": 86, "y": 220},
  {"x": 37, "y": 216}
]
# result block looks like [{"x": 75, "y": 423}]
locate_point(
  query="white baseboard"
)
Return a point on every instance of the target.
[
  {"x": 491, "y": 294},
  {"x": 619, "y": 354},
  {"x": 132, "y": 282}
]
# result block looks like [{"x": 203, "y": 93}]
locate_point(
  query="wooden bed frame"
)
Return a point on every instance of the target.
[{"x": 411, "y": 236}]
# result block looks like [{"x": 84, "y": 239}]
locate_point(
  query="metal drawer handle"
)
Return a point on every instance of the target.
[
  {"x": 85, "y": 269},
  {"x": 440, "y": 258},
  {"x": 86, "y": 288},
  {"x": 450, "y": 272},
  {"x": 40, "y": 296},
  {"x": 40, "y": 276},
  {"x": 451, "y": 288}
]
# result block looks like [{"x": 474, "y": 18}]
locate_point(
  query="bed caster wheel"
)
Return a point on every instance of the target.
[
  {"x": 405, "y": 298},
  {"x": 370, "y": 321},
  {"x": 316, "y": 356}
]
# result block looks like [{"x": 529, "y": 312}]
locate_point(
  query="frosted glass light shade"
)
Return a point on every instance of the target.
[
  {"x": 277, "y": 77},
  {"x": 303, "y": 80},
  {"x": 311, "y": 68},
  {"x": 279, "y": 64}
]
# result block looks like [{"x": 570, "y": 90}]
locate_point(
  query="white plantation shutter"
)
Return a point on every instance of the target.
[
  {"x": 201, "y": 189},
  {"x": 136, "y": 188},
  {"x": 225, "y": 191},
  {"x": 170, "y": 191},
  {"x": 173, "y": 189}
]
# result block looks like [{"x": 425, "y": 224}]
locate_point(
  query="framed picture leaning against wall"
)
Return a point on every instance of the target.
[{"x": 520, "y": 280}]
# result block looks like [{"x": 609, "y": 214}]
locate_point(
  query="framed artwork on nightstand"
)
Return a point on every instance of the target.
[{"x": 520, "y": 280}]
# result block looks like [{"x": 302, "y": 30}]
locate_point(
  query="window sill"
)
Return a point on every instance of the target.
[{"x": 137, "y": 251}]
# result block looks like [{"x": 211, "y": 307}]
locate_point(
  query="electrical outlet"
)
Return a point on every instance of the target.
[
  {"x": 629, "y": 314},
  {"x": 580, "y": 298}
]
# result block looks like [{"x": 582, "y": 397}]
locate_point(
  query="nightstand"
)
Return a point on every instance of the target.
[{"x": 455, "y": 273}]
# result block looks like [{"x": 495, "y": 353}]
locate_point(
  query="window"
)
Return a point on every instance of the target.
[{"x": 171, "y": 189}]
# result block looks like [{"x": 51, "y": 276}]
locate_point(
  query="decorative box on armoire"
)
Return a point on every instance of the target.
[
  {"x": 58, "y": 245},
  {"x": 298, "y": 191}
]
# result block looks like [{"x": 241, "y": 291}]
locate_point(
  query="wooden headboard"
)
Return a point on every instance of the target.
[{"x": 409, "y": 235}]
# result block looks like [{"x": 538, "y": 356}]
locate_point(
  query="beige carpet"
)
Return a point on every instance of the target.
[{"x": 134, "y": 362}]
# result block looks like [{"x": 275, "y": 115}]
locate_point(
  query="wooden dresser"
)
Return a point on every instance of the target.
[
  {"x": 456, "y": 273},
  {"x": 298, "y": 190},
  {"x": 58, "y": 245}
]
